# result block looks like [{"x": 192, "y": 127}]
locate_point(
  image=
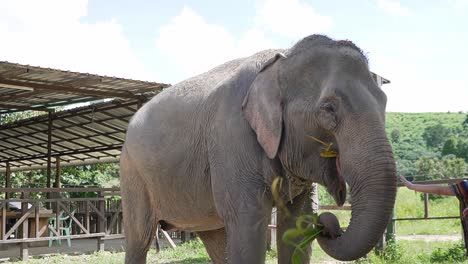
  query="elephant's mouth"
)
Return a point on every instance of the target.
[{"x": 337, "y": 188}]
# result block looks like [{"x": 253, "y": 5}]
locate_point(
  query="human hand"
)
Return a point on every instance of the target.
[
  {"x": 465, "y": 213},
  {"x": 407, "y": 183}
]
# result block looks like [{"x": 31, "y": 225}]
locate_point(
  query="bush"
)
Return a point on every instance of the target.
[
  {"x": 392, "y": 253},
  {"x": 453, "y": 254}
]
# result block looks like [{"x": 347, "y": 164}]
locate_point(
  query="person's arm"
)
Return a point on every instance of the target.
[{"x": 432, "y": 189}]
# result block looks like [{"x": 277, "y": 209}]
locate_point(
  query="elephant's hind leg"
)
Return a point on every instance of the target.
[
  {"x": 215, "y": 244},
  {"x": 140, "y": 221}
]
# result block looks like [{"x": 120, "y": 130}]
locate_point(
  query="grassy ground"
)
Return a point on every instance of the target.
[
  {"x": 408, "y": 204},
  {"x": 193, "y": 252}
]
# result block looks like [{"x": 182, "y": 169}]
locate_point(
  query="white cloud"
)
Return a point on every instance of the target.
[
  {"x": 195, "y": 46},
  {"x": 293, "y": 19},
  {"x": 393, "y": 8},
  {"x": 49, "y": 33}
]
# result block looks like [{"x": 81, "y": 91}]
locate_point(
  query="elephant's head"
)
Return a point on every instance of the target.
[{"x": 323, "y": 88}]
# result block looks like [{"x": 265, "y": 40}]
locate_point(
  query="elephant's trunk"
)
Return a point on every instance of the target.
[{"x": 369, "y": 169}]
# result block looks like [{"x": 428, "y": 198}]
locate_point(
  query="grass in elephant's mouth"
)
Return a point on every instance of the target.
[{"x": 307, "y": 227}]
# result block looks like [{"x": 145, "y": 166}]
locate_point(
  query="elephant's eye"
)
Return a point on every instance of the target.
[
  {"x": 329, "y": 107},
  {"x": 328, "y": 113}
]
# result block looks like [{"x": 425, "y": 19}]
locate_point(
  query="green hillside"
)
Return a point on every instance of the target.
[{"x": 424, "y": 141}]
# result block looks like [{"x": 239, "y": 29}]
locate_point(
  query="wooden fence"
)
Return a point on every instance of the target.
[{"x": 92, "y": 212}]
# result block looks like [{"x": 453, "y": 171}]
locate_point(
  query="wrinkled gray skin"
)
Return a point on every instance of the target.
[{"x": 201, "y": 155}]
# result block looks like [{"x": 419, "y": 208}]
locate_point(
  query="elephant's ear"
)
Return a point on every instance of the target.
[{"x": 263, "y": 109}]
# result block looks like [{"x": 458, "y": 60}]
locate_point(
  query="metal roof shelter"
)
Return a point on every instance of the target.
[{"x": 84, "y": 135}]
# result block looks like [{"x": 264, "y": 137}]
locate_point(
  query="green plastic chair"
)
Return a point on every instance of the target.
[{"x": 65, "y": 227}]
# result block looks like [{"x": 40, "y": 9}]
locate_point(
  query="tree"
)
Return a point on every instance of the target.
[
  {"x": 446, "y": 168},
  {"x": 429, "y": 167},
  {"x": 435, "y": 135},
  {"x": 450, "y": 146},
  {"x": 395, "y": 135},
  {"x": 462, "y": 149},
  {"x": 453, "y": 167}
]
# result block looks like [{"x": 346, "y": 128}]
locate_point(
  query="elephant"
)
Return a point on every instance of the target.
[{"x": 201, "y": 155}]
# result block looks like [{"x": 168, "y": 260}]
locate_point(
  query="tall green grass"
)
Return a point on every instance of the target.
[{"x": 410, "y": 204}]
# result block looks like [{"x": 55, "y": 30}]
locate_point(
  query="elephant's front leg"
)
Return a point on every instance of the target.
[
  {"x": 246, "y": 220},
  {"x": 301, "y": 204}
]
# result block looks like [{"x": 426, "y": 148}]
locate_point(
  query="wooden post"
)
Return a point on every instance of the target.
[
  {"x": 185, "y": 236},
  {"x": 3, "y": 227},
  {"x": 156, "y": 240},
  {"x": 273, "y": 228},
  {"x": 101, "y": 222},
  {"x": 58, "y": 176},
  {"x": 391, "y": 228},
  {"x": 7, "y": 180},
  {"x": 49, "y": 150},
  {"x": 36, "y": 218},
  {"x": 24, "y": 251},
  {"x": 426, "y": 205},
  {"x": 87, "y": 216}
]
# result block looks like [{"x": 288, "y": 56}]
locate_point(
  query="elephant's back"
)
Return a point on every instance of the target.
[
  {"x": 202, "y": 85},
  {"x": 167, "y": 126}
]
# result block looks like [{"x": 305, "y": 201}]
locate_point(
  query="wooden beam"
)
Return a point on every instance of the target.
[
  {"x": 168, "y": 238},
  {"x": 58, "y": 175},
  {"x": 49, "y": 149},
  {"x": 7, "y": 179},
  {"x": 83, "y": 82},
  {"x": 14, "y": 73},
  {"x": 68, "y": 89},
  {"x": 23, "y": 108}
]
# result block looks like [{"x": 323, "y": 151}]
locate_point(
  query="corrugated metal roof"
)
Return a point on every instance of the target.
[
  {"x": 24, "y": 87},
  {"x": 85, "y": 135}
]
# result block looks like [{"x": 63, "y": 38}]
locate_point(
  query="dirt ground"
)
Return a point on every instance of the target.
[{"x": 429, "y": 238}]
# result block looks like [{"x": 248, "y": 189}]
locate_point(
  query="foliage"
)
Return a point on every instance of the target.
[
  {"x": 307, "y": 230},
  {"x": 395, "y": 135},
  {"x": 450, "y": 146},
  {"x": 454, "y": 254},
  {"x": 462, "y": 149},
  {"x": 97, "y": 175},
  {"x": 393, "y": 253},
  {"x": 324, "y": 197},
  {"x": 435, "y": 135},
  {"x": 411, "y": 146},
  {"x": 430, "y": 167},
  {"x": 445, "y": 168}
]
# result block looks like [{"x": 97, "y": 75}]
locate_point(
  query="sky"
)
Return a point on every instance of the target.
[{"x": 420, "y": 46}]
